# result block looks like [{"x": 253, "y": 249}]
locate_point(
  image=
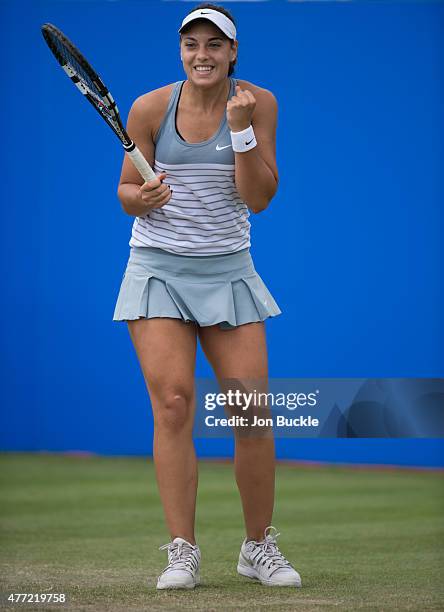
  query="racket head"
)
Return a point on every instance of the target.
[{"x": 86, "y": 79}]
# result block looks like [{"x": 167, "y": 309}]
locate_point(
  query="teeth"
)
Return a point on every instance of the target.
[{"x": 204, "y": 68}]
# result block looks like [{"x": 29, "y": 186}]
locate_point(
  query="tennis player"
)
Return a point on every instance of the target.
[{"x": 211, "y": 141}]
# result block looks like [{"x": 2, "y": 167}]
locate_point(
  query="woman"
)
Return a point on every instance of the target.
[{"x": 190, "y": 275}]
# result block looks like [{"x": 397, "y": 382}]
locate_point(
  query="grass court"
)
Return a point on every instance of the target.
[{"x": 90, "y": 527}]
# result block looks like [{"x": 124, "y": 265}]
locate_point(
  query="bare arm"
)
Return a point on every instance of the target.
[
  {"x": 256, "y": 172},
  {"x": 136, "y": 197}
]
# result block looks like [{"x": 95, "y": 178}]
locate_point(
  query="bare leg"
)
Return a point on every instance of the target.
[
  {"x": 167, "y": 349},
  {"x": 241, "y": 354}
]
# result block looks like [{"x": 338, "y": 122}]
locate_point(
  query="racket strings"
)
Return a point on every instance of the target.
[
  {"x": 76, "y": 66},
  {"x": 85, "y": 79}
]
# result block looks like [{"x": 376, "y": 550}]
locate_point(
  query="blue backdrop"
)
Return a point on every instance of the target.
[{"x": 351, "y": 246}]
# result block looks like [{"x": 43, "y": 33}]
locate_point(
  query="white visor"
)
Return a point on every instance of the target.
[{"x": 220, "y": 20}]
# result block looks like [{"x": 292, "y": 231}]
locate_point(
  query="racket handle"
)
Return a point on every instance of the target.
[{"x": 141, "y": 164}]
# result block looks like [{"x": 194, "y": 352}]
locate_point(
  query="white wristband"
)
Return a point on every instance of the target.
[{"x": 243, "y": 141}]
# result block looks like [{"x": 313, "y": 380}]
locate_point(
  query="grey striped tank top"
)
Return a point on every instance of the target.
[{"x": 205, "y": 215}]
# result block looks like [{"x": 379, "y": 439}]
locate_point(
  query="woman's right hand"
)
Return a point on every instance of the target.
[{"x": 155, "y": 193}]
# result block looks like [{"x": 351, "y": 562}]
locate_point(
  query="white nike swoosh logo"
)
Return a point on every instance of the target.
[{"x": 218, "y": 148}]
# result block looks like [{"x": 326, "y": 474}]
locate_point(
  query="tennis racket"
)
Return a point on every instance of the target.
[{"x": 91, "y": 86}]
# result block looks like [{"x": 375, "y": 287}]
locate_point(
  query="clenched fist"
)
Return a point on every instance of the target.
[{"x": 240, "y": 109}]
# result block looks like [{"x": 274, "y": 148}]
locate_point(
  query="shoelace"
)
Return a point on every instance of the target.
[
  {"x": 180, "y": 556},
  {"x": 271, "y": 555}
]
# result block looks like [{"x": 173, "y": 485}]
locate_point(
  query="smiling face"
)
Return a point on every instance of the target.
[{"x": 206, "y": 53}]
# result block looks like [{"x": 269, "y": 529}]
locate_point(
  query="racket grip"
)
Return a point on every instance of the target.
[{"x": 141, "y": 164}]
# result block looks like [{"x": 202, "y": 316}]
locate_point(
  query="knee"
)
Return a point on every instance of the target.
[{"x": 174, "y": 411}]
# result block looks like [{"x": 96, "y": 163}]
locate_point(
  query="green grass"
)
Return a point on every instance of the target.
[{"x": 90, "y": 528}]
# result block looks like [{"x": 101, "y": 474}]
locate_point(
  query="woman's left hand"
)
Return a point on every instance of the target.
[{"x": 240, "y": 109}]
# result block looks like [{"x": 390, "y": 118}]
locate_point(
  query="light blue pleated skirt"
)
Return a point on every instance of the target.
[{"x": 220, "y": 290}]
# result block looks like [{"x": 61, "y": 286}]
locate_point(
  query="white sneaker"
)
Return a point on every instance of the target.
[
  {"x": 182, "y": 571},
  {"x": 264, "y": 561}
]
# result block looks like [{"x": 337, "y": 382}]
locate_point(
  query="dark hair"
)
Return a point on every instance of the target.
[{"x": 221, "y": 9}]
